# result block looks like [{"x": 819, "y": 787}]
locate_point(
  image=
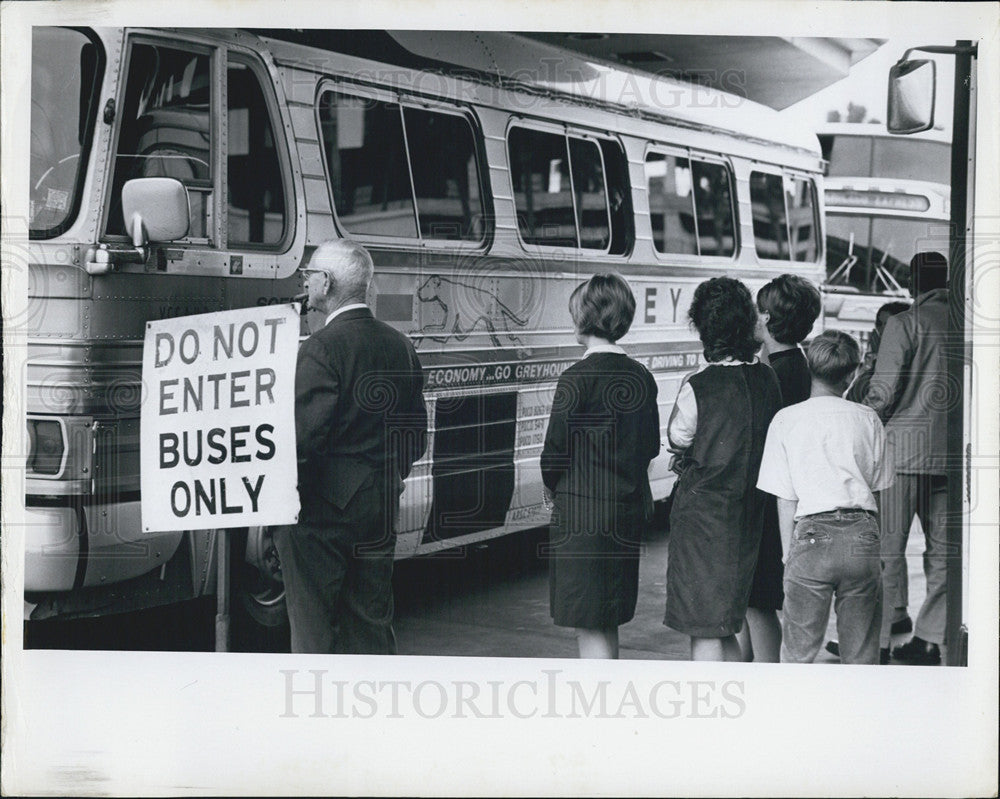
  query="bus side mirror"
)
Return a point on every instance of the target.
[
  {"x": 155, "y": 209},
  {"x": 911, "y": 98}
]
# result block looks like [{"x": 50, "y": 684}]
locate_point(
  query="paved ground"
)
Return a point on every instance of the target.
[
  {"x": 487, "y": 601},
  {"x": 493, "y": 602}
]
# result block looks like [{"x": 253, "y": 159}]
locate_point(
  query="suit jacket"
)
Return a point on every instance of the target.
[
  {"x": 359, "y": 408},
  {"x": 909, "y": 388}
]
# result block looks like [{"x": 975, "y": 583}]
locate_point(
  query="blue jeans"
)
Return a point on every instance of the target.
[{"x": 833, "y": 553}]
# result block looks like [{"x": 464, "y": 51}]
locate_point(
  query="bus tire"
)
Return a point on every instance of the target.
[{"x": 259, "y": 589}]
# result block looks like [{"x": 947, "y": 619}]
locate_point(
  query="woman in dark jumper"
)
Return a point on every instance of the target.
[
  {"x": 717, "y": 430},
  {"x": 603, "y": 432},
  {"x": 787, "y": 308}
]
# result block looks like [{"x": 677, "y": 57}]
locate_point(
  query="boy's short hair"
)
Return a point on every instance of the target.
[
  {"x": 928, "y": 271},
  {"x": 793, "y": 304},
  {"x": 832, "y": 356},
  {"x": 722, "y": 311},
  {"x": 604, "y": 306}
]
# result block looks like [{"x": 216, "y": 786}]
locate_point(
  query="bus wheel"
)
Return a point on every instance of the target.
[{"x": 260, "y": 590}]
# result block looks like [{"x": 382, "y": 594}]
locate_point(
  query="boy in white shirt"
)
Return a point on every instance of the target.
[{"x": 824, "y": 459}]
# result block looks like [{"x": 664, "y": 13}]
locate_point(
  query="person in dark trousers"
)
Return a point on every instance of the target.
[
  {"x": 360, "y": 424},
  {"x": 787, "y": 308},
  {"x": 901, "y": 621},
  {"x": 910, "y": 392},
  {"x": 717, "y": 430},
  {"x": 824, "y": 459},
  {"x": 603, "y": 431}
]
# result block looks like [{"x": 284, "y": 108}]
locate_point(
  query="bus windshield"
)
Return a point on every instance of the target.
[
  {"x": 887, "y": 241},
  {"x": 66, "y": 70}
]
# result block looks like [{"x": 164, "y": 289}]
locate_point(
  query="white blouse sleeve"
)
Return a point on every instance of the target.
[{"x": 683, "y": 419}]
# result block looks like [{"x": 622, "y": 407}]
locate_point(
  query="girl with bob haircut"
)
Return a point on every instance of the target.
[
  {"x": 788, "y": 307},
  {"x": 603, "y": 431},
  {"x": 717, "y": 430}
]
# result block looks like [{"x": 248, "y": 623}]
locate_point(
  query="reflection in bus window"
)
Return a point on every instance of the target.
[
  {"x": 421, "y": 183},
  {"x": 671, "y": 204},
  {"x": 366, "y": 159},
  {"x": 591, "y": 199},
  {"x": 539, "y": 167},
  {"x": 801, "y": 219},
  {"x": 713, "y": 199},
  {"x": 784, "y": 210},
  {"x": 548, "y": 213},
  {"x": 65, "y": 75},
  {"x": 445, "y": 175},
  {"x": 166, "y": 129},
  {"x": 255, "y": 192},
  {"x": 690, "y": 206},
  {"x": 770, "y": 225}
]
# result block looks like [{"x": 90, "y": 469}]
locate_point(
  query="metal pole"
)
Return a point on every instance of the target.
[
  {"x": 222, "y": 586},
  {"x": 959, "y": 349}
]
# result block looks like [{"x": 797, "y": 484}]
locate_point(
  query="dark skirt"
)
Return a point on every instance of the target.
[
  {"x": 594, "y": 562},
  {"x": 710, "y": 568},
  {"x": 766, "y": 592}
]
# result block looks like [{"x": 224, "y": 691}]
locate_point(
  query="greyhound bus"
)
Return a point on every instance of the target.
[
  {"x": 484, "y": 199},
  {"x": 887, "y": 197}
]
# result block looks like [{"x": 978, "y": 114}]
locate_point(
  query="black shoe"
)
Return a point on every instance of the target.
[
  {"x": 918, "y": 652},
  {"x": 834, "y": 649},
  {"x": 904, "y": 625}
]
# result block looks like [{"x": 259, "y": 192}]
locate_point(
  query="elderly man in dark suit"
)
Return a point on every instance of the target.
[{"x": 360, "y": 424}]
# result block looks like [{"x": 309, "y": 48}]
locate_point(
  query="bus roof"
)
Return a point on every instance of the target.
[{"x": 517, "y": 63}]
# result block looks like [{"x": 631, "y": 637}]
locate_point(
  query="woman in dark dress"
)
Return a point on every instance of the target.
[
  {"x": 603, "y": 432},
  {"x": 787, "y": 308},
  {"x": 717, "y": 430}
]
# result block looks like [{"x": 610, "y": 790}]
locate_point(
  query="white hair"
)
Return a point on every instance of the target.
[{"x": 348, "y": 264}]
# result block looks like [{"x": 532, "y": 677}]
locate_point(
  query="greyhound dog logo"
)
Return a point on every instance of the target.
[{"x": 465, "y": 309}]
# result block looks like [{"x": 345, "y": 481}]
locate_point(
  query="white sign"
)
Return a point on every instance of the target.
[{"x": 218, "y": 423}]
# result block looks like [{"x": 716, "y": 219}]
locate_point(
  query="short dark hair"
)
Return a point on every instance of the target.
[
  {"x": 928, "y": 271},
  {"x": 832, "y": 356},
  {"x": 793, "y": 304},
  {"x": 604, "y": 306},
  {"x": 723, "y": 313}
]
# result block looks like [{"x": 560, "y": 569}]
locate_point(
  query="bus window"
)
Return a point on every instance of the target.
[
  {"x": 166, "y": 129},
  {"x": 366, "y": 163},
  {"x": 539, "y": 166},
  {"x": 445, "y": 175},
  {"x": 801, "y": 218},
  {"x": 401, "y": 172},
  {"x": 66, "y": 71},
  {"x": 619, "y": 196},
  {"x": 254, "y": 188},
  {"x": 713, "y": 199},
  {"x": 592, "y": 218},
  {"x": 690, "y": 206},
  {"x": 784, "y": 217},
  {"x": 671, "y": 204}
]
